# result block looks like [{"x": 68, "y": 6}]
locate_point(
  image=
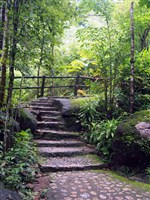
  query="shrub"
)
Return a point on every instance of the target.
[
  {"x": 106, "y": 134},
  {"x": 101, "y": 134},
  {"x": 16, "y": 164},
  {"x": 88, "y": 113},
  {"x": 131, "y": 145}
]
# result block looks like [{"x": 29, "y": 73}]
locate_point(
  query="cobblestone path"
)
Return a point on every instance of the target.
[
  {"x": 92, "y": 185},
  {"x": 71, "y": 164}
]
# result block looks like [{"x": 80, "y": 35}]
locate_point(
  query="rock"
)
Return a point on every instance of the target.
[
  {"x": 62, "y": 104},
  {"x": 26, "y": 120},
  {"x": 144, "y": 129},
  {"x": 15, "y": 125},
  {"x": 1, "y": 185},
  {"x": 69, "y": 114},
  {"x": 131, "y": 145},
  {"x": 30, "y": 186},
  {"x": 6, "y": 194},
  {"x": 12, "y": 128},
  {"x": 12, "y": 123}
]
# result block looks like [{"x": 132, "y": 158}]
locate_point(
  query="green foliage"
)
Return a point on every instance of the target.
[
  {"x": 144, "y": 2},
  {"x": 126, "y": 171},
  {"x": 45, "y": 22},
  {"x": 100, "y": 51},
  {"x": 130, "y": 148},
  {"x": 143, "y": 62},
  {"x": 102, "y": 134},
  {"x": 88, "y": 113},
  {"x": 142, "y": 101},
  {"x": 148, "y": 173},
  {"x": 16, "y": 164},
  {"x": 109, "y": 46}
]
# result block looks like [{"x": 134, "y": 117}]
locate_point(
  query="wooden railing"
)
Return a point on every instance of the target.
[{"x": 48, "y": 82}]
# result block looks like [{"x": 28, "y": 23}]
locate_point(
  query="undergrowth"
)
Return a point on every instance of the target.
[
  {"x": 17, "y": 164},
  {"x": 99, "y": 132}
]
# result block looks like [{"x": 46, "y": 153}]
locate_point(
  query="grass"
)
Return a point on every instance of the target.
[
  {"x": 94, "y": 157},
  {"x": 80, "y": 101},
  {"x": 135, "y": 184}
]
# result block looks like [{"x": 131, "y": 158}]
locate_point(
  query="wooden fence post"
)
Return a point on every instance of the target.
[
  {"x": 76, "y": 86},
  {"x": 42, "y": 86}
]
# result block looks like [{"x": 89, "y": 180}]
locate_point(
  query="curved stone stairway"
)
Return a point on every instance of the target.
[
  {"x": 73, "y": 163},
  {"x": 61, "y": 150}
]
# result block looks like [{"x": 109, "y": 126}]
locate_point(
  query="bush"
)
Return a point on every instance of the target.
[
  {"x": 142, "y": 101},
  {"x": 101, "y": 134},
  {"x": 16, "y": 164},
  {"x": 131, "y": 145},
  {"x": 88, "y": 113}
]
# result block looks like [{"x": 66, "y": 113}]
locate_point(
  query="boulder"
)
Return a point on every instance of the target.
[
  {"x": 62, "y": 104},
  {"x": 131, "y": 144},
  {"x": 11, "y": 128},
  {"x": 26, "y": 120},
  {"x": 69, "y": 113},
  {"x": 143, "y": 129},
  {"x": 6, "y": 194},
  {"x": 12, "y": 123}
]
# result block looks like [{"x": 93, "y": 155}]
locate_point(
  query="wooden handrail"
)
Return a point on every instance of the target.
[
  {"x": 49, "y": 87},
  {"x": 43, "y": 86},
  {"x": 53, "y": 77}
]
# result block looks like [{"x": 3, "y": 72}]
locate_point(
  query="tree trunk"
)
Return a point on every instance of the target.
[
  {"x": 132, "y": 60},
  {"x": 13, "y": 49},
  {"x": 38, "y": 80},
  {"x": 143, "y": 38},
  {"x": 4, "y": 54},
  {"x": 40, "y": 61},
  {"x": 2, "y": 14},
  {"x": 106, "y": 95},
  {"x": 52, "y": 67},
  {"x": 110, "y": 73}
]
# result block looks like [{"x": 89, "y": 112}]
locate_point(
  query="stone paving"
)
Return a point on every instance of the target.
[{"x": 91, "y": 185}]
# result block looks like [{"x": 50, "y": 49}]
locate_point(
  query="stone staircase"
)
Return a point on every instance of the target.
[{"x": 60, "y": 150}]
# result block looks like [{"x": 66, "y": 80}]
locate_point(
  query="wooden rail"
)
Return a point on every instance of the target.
[{"x": 43, "y": 86}]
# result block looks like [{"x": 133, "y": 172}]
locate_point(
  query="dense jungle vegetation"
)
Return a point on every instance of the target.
[{"x": 103, "y": 39}]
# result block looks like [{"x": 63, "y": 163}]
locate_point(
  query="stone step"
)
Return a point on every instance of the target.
[
  {"x": 50, "y": 113},
  {"x": 42, "y": 100},
  {"x": 86, "y": 162},
  {"x": 54, "y": 135},
  {"x": 40, "y": 104},
  {"x": 51, "y": 125},
  {"x": 42, "y": 108},
  {"x": 65, "y": 151},
  {"x": 51, "y": 119},
  {"x": 60, "y": 143}
]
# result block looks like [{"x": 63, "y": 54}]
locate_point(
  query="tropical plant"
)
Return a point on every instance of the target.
[
  {"x": 88, "y": 113},
  {"x": 101, "y": 134},
  {"x": 17, "y": 164},
  {"x": 148, "y": 173},
  {"x": 106, "y": 134}
]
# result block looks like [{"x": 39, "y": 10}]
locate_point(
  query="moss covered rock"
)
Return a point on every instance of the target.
[
  {"x": 10, "y": 129},
  {"x": 6, "y": 194},
  {"x": 26, "y": 120},
  {"x": 69, "y": 113},
  {"x": 131, "y": 145}
]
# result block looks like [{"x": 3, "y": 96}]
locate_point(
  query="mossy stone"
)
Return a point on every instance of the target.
[
  {"x": 26, "y": 120},
  {"x": 69, "y": 113},
  {"x": 130, "y": 147}
]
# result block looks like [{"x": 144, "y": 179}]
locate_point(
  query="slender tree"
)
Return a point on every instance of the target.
[
  {"x": 15, "y": 24},
  {"x": 4, "y": 48},
  {"x": 132, "y": 59}
]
